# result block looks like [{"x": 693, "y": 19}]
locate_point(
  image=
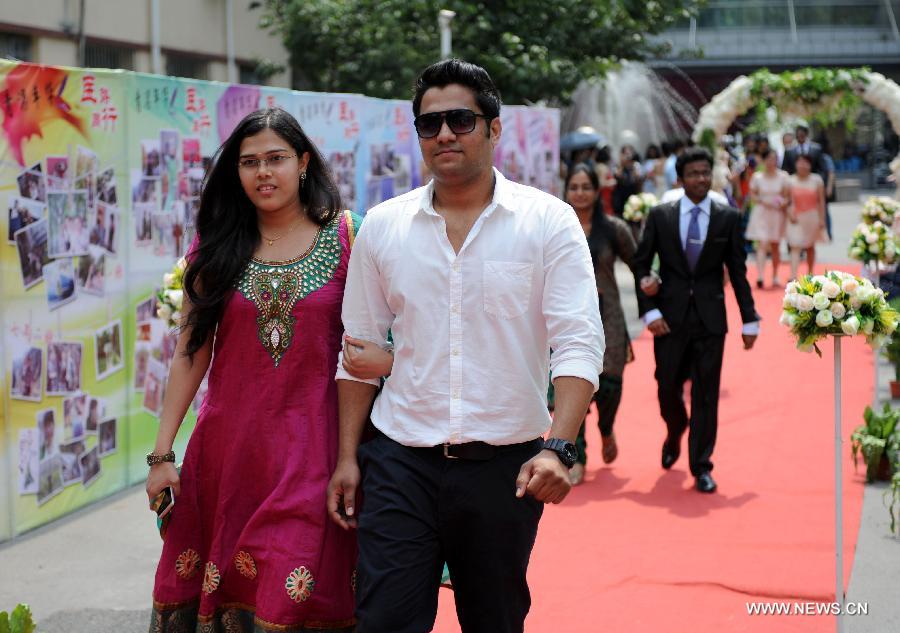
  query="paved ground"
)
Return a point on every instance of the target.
[{"x": 93, "y": 571}]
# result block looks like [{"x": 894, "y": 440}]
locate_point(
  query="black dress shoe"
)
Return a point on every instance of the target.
[
  {"x": 705, "y": 483},
  {"x": 670, "y": 453}
]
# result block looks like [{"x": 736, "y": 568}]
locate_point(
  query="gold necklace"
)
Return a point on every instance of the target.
[{"x": 272, "y": 240}]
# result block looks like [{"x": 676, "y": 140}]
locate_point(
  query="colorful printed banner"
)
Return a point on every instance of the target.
[{"x": 100, "y": 178}]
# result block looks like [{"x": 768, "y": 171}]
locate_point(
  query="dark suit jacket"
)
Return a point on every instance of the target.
[
  {"x": 789, "y": 164},
  {"x": 724, "y": 246}
]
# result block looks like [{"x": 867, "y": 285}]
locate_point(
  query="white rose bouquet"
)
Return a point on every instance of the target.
[
  {"x": 638, "y": 206},
  {"x": 171, "y": 296},
  {"x": 880, "y": 209},
  {"x": 873, "y": 243},
  {"x": 836, "y": 303}
]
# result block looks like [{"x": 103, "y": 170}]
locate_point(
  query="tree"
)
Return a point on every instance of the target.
[{"x": 535, "y": 50}]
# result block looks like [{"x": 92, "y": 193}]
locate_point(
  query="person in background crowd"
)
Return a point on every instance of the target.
[
  {"x": 669, "y": 171},
  {"x": 629, "y": 178},
  {"x": 608, "y": 238},
  {"x": 787, "y": 144},
  {"x": 806, "y": 215},
  {"x": 653, "y": 168},
  {"x": 830, "y": 177},
  {"x": 770, "y": 191},
  {"x": 804, "y": 147},
  {"x": 606, "y": 177}
]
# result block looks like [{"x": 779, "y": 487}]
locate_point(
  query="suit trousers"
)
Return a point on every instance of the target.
[
  {"x": 692, "y": 352},
  {"x": 421, "y": 509}
]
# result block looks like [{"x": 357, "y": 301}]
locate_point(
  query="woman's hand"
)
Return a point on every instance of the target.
[
  {"x": 365, "y": 359},
  {"x": 650, "y": 285},
  {"x": 161, "y": 476}
]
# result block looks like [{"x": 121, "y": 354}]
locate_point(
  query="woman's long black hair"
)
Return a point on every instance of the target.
[
  {"x": 226, "y": 222},
  {"x": 601, "y": 228}
]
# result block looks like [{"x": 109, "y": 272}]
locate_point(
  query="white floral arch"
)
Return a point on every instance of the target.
[{"x": 823, "y": 94}]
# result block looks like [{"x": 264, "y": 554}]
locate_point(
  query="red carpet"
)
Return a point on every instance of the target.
[{"x": 635, "y": 549}]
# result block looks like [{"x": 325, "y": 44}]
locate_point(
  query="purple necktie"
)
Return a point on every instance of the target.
[{"x": 694, "y": 244}]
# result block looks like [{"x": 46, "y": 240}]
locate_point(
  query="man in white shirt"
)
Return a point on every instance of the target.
[
  {"x": 477, "y": 278},
  {"x": 694, "y": 237}
]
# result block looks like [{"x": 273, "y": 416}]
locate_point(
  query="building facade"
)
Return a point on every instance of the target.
[{"x": 193, "y": 37}]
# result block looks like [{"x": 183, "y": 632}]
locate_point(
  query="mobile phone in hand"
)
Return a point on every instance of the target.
[{"x": 164, "y": 502}]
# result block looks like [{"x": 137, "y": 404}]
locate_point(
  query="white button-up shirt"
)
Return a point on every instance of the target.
[{"x": 473, "y": 330}]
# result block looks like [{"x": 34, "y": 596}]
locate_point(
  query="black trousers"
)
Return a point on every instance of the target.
[
  {"x": 691, "y": 352},
  {"x": 421, "y": 509},
  {"x": 608, "y": 398}
]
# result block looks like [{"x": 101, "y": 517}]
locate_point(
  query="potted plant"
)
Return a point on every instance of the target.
[
  {"x": 891, "y": 352},
  {"x": 19, "y": 621},
  {"x": 875, "y": 440}
]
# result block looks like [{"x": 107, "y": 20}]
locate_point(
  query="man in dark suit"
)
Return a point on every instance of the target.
[
  {"x": 685, "y": 311},
  {"x": 804, "y": 147}
]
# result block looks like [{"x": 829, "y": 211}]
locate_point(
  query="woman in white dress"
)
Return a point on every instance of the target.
[{"x": 770, "y": 191}]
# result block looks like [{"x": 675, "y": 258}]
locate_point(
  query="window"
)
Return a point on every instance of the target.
[
  {"x": 107, "y": 56},
  {"x": 744, "y": 14},
  {"x": 249, "y": 75},
  {"x": 186, "y": 66},
  {"x": 15, "y": 46}
]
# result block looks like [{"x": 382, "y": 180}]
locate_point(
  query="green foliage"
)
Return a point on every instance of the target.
[
  {"x": 534, "y": 50},
  {"x": 825, "y": 95},
  {"x": 873, "y": 438},
  {"x": 19, "y": 621},
  {"x": 892, "y": 498}
]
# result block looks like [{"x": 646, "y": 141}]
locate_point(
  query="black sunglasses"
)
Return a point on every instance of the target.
[{"x": 460, "y": 121}]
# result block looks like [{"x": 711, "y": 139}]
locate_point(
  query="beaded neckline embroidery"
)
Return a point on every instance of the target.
[{"x": 276, "y": 287}]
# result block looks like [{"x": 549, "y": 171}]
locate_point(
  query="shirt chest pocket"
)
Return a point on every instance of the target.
[{"x": 507, "y": 288}]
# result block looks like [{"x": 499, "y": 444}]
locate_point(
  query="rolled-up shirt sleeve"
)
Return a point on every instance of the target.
[
  {"x": 570, "y": 306},
  {"x": 365, "y": 312}
]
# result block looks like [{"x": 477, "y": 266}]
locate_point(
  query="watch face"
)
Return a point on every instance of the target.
[{"x": 570, "y": 452}]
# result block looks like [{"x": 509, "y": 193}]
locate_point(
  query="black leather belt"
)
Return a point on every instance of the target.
[{"x": 476, "y": 451}]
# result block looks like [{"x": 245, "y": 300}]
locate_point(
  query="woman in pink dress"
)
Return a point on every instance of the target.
[
  {"x": 806, "y": 215},
  {"x": 770, "y": 191},
  {"x": 249, "y": 546}
]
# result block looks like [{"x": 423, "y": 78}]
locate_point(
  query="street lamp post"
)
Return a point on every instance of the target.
[{"x": 446, "y": 16}]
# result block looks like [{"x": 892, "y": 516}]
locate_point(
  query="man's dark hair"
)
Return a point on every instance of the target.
[
  {"x": 802, "y": 127},
  {"x": 457, "y": 71},
  {"x": 692, "y": 155}
]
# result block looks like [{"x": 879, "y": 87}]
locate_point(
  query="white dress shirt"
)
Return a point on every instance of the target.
[
  {"x": 684, "y": 221},
  {"x": 473, "y": 331}
]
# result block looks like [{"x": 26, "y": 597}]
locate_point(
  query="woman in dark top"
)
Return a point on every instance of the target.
[{"x": 608, "y": 238}]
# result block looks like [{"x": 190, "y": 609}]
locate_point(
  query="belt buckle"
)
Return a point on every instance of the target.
[{"x": 447, "y": 454}]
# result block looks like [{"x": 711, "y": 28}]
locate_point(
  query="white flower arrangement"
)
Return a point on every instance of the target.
[
  {"x": 873, "y": 243},
  {"x": 880, "y": 209},
  {"x": 816, "y": 306},
  {"x": 638, "y": 206},
  {"x": 170, "y": 297}
]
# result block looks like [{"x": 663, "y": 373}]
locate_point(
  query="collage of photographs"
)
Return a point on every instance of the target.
[
  {"x": 55, "y": 453},
  {"x": 62, "y": 222},
  {"x": 165, "y": 193}
]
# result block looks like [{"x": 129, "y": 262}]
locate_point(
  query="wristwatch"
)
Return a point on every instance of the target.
[
  {"x": 153, "y": 458},
  {"x": 564, "y": 449}
]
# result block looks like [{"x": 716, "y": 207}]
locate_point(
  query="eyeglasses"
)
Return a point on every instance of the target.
[
  {"x": 461, "y": 121},
  {"x": 274, "y": 162}
]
